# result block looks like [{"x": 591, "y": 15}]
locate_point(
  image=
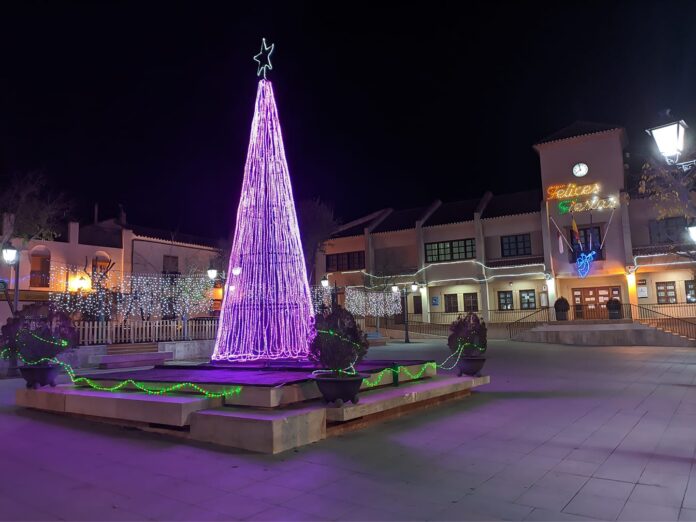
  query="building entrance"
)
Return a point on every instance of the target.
[{"x": 590, "y": 303}]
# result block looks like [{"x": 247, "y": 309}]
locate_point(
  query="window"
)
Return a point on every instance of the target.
[
  {"x": 417, "y": 305},
  {"x": 517, "y": 245},
  {"x": 690, "y": 290},
  {"x": 170, "y": 264},
  {"x": 505, "y": 300},
  {"x": 345, "y": 261},
  {"x": 471, "y": 302},
  {"x": 527, "y": 299},
  {"x": 451, "y": 304},
  {"x": 666, "y": 292},
  {"x": 668, "y": 230},
  {"x": 40, "y": 271},
  {"x": 450, "y": 250},
  {"x": 590, "y": 239}
]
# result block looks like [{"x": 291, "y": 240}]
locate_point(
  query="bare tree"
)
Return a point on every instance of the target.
[
  {"x": 33, "y": 211},
  {"x": 672, "y": 191},
  {"x": 317, "y": 223}
]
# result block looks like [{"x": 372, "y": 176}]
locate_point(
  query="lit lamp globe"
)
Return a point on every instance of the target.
[
  {"x": 395, "y": 288},
  {"x": 414, "y": 287},
  {"x": 212, "y": 274},
  {"x": 669, "y": 139},
  {"x": 325, "y": 282},
  {"x": 692, "y": 233},
  {"x": 9, "y": 255}
]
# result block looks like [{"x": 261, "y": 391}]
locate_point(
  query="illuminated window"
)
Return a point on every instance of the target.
[
  {"x": 345, "y": 261},
  {"x": 471, "y": 302},
  {"x": 690, "y": 288},
  {"x": 451, "y": 304},
  {"x": 666, "y": 292},
  {"x": 527, "y": 299},
  {"x": 450, "y": 250},
  {"x": 517, "y": 245},
  {"x": 505, "y": 300}
]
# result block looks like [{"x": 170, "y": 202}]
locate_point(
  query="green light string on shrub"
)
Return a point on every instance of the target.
[
  {"x": 60, "y": 342},
  {"x": 376, "y": 379},
  {"x": 235, "y": 390}
]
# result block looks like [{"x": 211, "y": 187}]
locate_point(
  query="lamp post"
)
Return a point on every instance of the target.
[
  {"x": 414, "y": 288},
  {"x": 11, "y": 257},
  {"x": 334, "y": 291},
  {"x": 669, "y": 139},
  {"x": 212, "y": 274}
]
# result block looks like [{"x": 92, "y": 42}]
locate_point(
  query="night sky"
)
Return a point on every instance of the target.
[{"x": 149, "y": 104}]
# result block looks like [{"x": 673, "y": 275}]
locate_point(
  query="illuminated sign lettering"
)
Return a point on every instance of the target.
[
  {"x": 571, "y": 190},
  {"x": 572, "y": 205}
]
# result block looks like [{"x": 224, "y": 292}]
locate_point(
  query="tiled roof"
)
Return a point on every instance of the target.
[
  {"x": 401, "y": 219},
  {"x": 661, "y": 249},
  {"x": 515, "y": 203},
  {"x": 453, "y": 212},
  {"x": 578, "y": 128},
  {"x": 357, "y": 230},
  {"x": 178, "y": 237}
]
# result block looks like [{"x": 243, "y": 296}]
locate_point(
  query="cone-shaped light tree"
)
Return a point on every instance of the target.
[{"x": 266, "y": 308}]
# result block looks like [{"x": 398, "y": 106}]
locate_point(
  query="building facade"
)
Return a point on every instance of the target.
[
  {"x": 69, "y": 262},
  {"x": 584, "y": 236}
]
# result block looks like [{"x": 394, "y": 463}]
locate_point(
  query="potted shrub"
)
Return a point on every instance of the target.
[
  {"x": 614, "y": 308},
  {"x": 38, "y": 335},
  {"x": 561, "y": 306},
  {"x": 469, "y": 334},
  {"x": 338, "y": 346}
]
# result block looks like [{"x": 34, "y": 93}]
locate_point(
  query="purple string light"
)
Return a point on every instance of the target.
[{"x": 266, "y": 308}]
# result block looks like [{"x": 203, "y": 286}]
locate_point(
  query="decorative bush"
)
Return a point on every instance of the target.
[
  {"x": 339, "y": 342},
  {"x": 561, "y": 305},
  {"x": 470, "y": 333},
  {"x": 37, "y": 333}
]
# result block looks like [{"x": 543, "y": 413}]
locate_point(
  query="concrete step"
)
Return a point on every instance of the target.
[
  {"x": 132, "y": 360},
  {"x": 117, "y": 349}
]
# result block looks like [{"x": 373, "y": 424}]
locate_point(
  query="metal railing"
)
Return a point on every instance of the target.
[
  {"x": 648, "y": 315},
  {"x": 121, "y": 332}
]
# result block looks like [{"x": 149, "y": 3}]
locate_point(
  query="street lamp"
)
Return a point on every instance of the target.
[
  {"x": 395, "y": 289},
  {"x": 325, "y": 282},
  {"x": 212, "y": 274},
  {"x": 669, "y": 139},
  {"x": 11, "y": 257},
  {"x": 692, "y": 232}
]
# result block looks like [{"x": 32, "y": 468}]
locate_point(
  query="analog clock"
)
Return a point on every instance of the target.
[{"x": 580, "y": 169}]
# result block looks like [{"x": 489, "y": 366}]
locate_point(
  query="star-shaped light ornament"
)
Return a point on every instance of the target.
[{"x": 264, "y": 58}]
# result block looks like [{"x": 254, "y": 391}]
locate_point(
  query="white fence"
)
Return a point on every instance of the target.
[{"x": 118, "y": 332}]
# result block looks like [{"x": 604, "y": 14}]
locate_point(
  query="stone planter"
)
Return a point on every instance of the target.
[
  {"x": 471, "y": 366},
  {"x": 37, "y": 376},
  {"x": 338, "y": 390}
]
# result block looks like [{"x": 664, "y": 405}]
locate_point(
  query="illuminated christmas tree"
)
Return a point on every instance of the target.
[{"x": 267, "y": 308}]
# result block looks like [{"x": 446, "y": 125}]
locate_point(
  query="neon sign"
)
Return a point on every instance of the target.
[
  {"x": 584, "y": 262},
  {"x": 571, "y": 190},
  {"x": 573, "y": 205}
]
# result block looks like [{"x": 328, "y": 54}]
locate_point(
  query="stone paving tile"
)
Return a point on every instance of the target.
[
  {"x": 648, "y": 512},
  {"x": 553, "y": 425}
]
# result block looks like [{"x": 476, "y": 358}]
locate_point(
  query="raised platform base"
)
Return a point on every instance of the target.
[{"x": 297, "y": 418}]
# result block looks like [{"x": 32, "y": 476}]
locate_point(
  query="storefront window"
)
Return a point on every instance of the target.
[
  {"x": 471, "y": 302},
  {"x": 527, "y": 299},
  {"x": 451, "y": 304},
  {"x": 666, "y": 292},
  {"x": 505, "y": 300},
  {"x": 690, "y": 288}
]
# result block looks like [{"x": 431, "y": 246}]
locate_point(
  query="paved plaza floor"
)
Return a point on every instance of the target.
[{"x": 562, "y": 433}]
